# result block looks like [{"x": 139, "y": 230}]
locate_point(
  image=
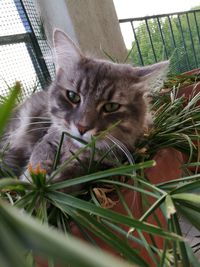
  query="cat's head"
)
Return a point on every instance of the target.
[{"x": 89, "y": 95}]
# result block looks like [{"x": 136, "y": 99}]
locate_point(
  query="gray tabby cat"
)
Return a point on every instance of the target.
[{"x": 87, "y": 96}]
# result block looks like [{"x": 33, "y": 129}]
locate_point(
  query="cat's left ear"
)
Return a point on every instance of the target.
[
  {"x": 153, "y": 76},
  {"x": 67, "y": 54}
]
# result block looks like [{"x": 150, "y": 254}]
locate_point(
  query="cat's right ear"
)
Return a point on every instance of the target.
[{"x": 67, "y": 54}]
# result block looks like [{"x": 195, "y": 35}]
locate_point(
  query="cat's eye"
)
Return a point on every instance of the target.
[
  {"x": 111, "y": 107},
  {"x": 73, "y": 97}
]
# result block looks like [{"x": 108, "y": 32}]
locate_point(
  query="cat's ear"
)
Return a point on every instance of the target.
[
  {"x": 153, "y": 76},
  {"x": 67, "y": 54}
]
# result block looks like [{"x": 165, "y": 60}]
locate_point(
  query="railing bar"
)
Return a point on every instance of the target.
[
  {"x": 191, "y": 38},
  {"x": 162, "y": 37},
  {"x": 183, "y": 39},
  {"x": 171, "y": 31},
  {"x": 14, "y": 39},
  {"x": 173, "y": 41},
  {"x": 137, "y": 43},
  {"x": 196, "y": 24},
  {"x": 155, "y": 16},
  {"x": 152, "y": 46},
  {"x": 37, "y": 50}
]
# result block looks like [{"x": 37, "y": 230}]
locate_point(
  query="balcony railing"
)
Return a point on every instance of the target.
[{"x": 174, "y": 36}]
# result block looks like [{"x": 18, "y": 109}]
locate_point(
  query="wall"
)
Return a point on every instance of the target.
[
  {"x": 92, "y": 24},
  {"x": 55, "y": 14}
]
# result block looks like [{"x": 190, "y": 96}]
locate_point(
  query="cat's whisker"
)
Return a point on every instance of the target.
[
  {"x": 30, "y": 117},
  {"x": 37, "y": 122},
  {"x": 15, "y": 133},
  {"x": 122, "y": 147},
  {"x": 113, "y": 153},
  {"x": 36, "y": 129},
  {"x": 125, "y": 150},
  {"x": 27, "y": 124}
]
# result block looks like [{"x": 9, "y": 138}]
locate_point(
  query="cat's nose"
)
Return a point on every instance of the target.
[{"x": 82, "y": 129}]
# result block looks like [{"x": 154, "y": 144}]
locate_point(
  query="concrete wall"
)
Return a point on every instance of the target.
[
  {"x": 92, "y": 24},
  {"x": 97, "y": 26},
  {"x": 55, "y": 14}
]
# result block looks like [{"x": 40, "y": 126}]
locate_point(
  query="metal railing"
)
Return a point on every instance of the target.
[{"x": 174, "y": 36}]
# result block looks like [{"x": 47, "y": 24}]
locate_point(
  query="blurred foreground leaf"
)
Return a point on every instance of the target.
[
  {"x": 7, "y": 105},
  {"x": 22, "y": 233}
]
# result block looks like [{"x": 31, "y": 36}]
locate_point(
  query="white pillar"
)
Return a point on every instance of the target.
[{"x": 92, "y": 24}]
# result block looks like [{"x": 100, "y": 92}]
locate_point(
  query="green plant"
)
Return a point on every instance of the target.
[{"x": 39, "y": 205}]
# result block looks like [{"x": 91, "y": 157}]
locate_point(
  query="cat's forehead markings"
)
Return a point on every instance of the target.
[
  {"x": 97, "y": 94},
  {"x": 103, "y": 89}
]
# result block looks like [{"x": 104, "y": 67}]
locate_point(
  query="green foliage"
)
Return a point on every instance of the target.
[{"x": 8, "y": 104}]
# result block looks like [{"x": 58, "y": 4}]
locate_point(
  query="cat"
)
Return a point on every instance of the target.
[{"x": 87, "y": 96}]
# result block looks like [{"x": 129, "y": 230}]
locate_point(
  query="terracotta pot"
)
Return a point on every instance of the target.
[
  {"x": 190, "y": 90},
  {"x": 191, "y": 72}
]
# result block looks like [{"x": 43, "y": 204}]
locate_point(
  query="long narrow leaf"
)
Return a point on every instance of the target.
[
  {"x": 8, "y": 105},
  {"x": 102, "y": 174},
  {"x": 109, "y": 214},
  {"x": 6, "y": 183}
]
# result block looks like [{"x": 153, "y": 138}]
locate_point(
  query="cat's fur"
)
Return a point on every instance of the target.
[{"x": 34, "y": 131}]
